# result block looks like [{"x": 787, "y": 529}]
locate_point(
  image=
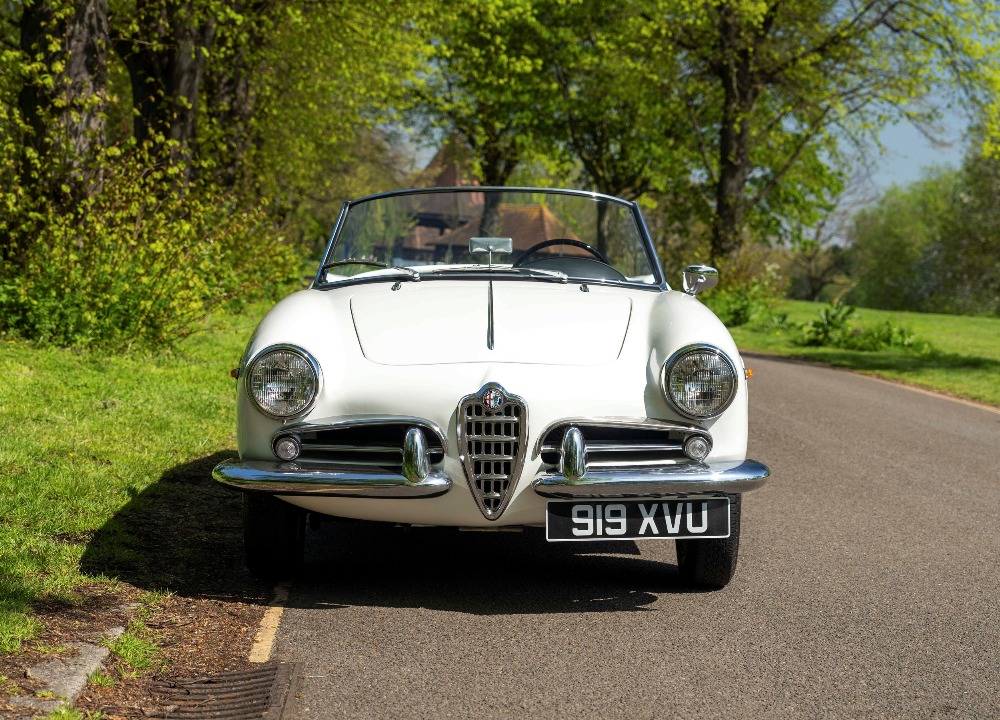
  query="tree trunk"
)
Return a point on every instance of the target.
[
  {"x": 735, "y": 166},
  {"x": 229, "y": 96},
  {"x": 166, "y": 64},
  {"x": 66, "y": 120}
]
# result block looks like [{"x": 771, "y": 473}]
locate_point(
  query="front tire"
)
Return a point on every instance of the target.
[
  {"x": 712, "y": 563},
  {"x": 274, "y": 534}
]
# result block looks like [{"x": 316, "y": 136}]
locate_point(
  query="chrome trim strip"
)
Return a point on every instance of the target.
[
  {"x": 335, "y": 423},
  {"x": 489, "y": 319},
  {"x": 281, "y": 478},
  {"x": 607, "y": 448},
  {"x": 329, "y": 243},
  {"x": 611, "y": 421},
  {"x": 729, "y": 478}
]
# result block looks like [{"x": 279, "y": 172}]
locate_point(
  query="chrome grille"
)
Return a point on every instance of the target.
[
  {"x": 369, "y": 443},
  {"x": 493, "y": 426},
  {"x": 620, "y": 443}
]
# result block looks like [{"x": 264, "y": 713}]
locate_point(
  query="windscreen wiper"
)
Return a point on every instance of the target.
[{"x": 414, "y": 275}]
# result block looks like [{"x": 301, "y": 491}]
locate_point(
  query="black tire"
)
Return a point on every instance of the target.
[
  {"x": 274, "y": 535},
  {"x": 712, "y": 563}
]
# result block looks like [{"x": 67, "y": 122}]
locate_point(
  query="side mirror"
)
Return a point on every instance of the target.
[
  {"x": 491, "y": 245},
  {"x": 698, "y": 278}
]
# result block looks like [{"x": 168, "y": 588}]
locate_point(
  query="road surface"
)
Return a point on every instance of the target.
[{"x": 868, "y": 586}]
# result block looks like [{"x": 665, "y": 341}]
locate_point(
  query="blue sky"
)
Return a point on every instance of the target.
[{"x": 907, "y": 151}]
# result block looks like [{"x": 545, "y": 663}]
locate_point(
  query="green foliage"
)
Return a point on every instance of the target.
[
  {"x": 833, "y": 328},
  {"x": 750, "y": 286},
  {"x": 894, "y": 243},
  {"x": 963, "y": 359},
  {"x": 932, "y": 245},
  {"x": 137, "y": 265},
  {"x": 135, "y": 647}
]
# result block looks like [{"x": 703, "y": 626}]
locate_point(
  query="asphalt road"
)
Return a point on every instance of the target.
[{"x": 868, "y": 586}]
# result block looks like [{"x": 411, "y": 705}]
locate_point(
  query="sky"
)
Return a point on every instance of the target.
[{"x": 908, "y": 152}]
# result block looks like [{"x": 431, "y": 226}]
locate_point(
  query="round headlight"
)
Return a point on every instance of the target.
[
  {"x": 699, "y": 381},
  {"x": 283, "y": 381}
]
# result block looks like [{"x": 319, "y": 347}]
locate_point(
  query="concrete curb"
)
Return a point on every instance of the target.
[{"x": 66, "y": 678}]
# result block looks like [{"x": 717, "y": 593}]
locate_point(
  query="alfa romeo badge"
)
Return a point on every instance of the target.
[{"x": 493, "y": 399}]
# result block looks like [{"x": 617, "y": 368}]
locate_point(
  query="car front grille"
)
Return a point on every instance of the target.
[
  {"x": 493, "y": 427},
  {"x": 375, "y": 443},
  {"x": 622, "y": 444}
]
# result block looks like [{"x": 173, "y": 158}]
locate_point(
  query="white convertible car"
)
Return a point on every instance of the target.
[{"x": 495, "y": 357}]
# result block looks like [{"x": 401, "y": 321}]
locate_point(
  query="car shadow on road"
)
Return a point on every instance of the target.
[
  {"x": 482, "y": 573},
  {"x": 182, "y": 534}
]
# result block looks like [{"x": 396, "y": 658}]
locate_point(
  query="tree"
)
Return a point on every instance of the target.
[
  {"x": 969, "y": 257},
  {"x": 486, "y": 83},
  {"x": 897, "y": 243},
  {"x": 606, "y": 114},
  {"x": 63, "y": 92},
  {"x": 775, "y": 87}
]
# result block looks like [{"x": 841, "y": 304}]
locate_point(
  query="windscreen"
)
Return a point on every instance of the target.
[{"x": 578, "y": 235}]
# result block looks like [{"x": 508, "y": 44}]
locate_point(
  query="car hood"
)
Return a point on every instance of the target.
[{"x": 443, "y": 322}]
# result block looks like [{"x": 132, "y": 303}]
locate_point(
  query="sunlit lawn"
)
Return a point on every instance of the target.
[
  {"x": 965, "y": 359},
  {"x": 83, "y": 434}
]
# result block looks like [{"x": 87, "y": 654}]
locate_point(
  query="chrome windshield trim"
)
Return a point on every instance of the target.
[
  {"x": 291, "y": 478},
  {"x": 329, "y": 243},
  {"x": 728, "y": 478},
  {"x": 618, "y": 422},
  {"x": 335, "y": 423},
  {"x": 490, "y": 188}
]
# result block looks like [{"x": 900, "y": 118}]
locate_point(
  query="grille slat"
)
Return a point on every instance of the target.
[
  {"x": 622, "y": 444},
  {"x": 378, "y": 444},
  {"x": 493, "y": 442}
]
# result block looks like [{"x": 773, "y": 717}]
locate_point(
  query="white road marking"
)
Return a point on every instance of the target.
[{"x": 264, "y": 642}]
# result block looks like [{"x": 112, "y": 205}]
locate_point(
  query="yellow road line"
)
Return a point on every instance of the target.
[{"x": 264, "y": 642}]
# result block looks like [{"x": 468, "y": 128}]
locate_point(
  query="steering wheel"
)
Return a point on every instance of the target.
[{"x": 560, "y": 241}]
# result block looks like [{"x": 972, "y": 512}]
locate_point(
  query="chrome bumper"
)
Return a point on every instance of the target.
[
  {"x": 289, "y": 478},
  {"x": 722, "y": 478}
]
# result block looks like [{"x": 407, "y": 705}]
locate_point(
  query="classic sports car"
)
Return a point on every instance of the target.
[{"x": 495, "y": 357}]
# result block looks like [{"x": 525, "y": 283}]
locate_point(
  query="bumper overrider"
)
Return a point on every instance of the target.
[{"x": 289, "y": 478}]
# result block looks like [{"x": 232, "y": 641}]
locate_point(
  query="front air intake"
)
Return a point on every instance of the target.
[{"x": 493, "y": 427}]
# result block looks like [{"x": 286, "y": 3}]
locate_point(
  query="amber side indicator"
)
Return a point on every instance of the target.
[
  {"x": 749, "y": 373},
  {"x": 234, "y": 373}
]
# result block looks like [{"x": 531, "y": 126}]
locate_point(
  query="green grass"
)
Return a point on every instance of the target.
[
  {"x": 83, "y": 434},
  {"x": 964, "y": 361}
]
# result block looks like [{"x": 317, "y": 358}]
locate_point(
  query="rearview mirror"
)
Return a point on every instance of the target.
[
  {"x": 698, "y": 278},
  {"x": 491, "y": 245}
]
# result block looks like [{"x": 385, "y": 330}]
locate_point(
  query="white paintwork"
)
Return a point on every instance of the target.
[
  {"x": 445, "y": 323},
  {"x": 565, "y": 352}
]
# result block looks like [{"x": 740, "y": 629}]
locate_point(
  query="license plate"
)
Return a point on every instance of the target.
[{"x": 569, "y": 520}]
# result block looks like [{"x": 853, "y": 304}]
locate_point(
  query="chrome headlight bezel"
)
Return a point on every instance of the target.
[
  {"x": 680, "y": 355},
  {"x": 311, "y": 395}
]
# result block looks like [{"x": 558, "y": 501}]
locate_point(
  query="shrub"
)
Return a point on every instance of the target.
[
  {"x": 137, "y": 265},
  {"x": 833, "y": 329},
  {"x": 750, "y": 286},
  {"x": 831, "y": 326}
]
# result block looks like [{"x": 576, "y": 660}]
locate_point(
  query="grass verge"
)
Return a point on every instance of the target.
[
  {"x": 84, "y": 435},
  {"x": 964, "y": 359}
]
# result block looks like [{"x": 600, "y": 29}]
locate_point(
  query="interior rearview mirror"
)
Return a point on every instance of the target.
[{"x": 491, "y": 245}]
